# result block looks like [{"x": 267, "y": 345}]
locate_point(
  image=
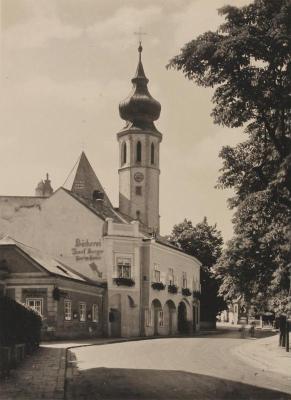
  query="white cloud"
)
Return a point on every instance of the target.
[{"x": 112, "y": 32}]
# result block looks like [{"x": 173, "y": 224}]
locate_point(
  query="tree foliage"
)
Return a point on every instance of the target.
[
  {"x": 247, "y": 62},
  {"x": 205, "y": 242}
]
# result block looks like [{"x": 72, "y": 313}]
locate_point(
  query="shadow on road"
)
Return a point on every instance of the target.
[
  {"x": 132, "y": 384},
  {"x": 235, "y": 333}
]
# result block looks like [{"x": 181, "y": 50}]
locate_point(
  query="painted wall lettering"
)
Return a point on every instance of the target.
[{"x": 86, "y": 250}]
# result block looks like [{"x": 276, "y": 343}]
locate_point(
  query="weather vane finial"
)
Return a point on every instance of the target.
[{"x": 140, "y": 34}]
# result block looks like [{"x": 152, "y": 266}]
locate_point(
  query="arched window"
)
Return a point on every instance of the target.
[
  {"x": 152, "y": 153},
  {"x": 123, "y": 153},
  {"x": 138, "y": 152}
]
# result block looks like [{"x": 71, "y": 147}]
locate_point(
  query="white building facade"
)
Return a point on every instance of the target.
[{"x": 150, "y": 286}]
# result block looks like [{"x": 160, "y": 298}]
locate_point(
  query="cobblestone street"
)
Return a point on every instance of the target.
[
  {"x": 220, "y": 365},
  {"x": 41, "y": 376}
]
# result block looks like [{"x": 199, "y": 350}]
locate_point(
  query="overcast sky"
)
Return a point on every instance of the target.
[{"x": 66, "y": 65}]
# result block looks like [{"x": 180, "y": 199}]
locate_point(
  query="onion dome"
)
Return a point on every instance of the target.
[{"x": 140, "y": 109}]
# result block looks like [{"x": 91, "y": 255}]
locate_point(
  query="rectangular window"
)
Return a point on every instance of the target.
[
  {"x": 157, "y": 275},
  {"x": 184, "y": 283},
  {"x": 171, "y": 276},
  {"x": 36, "y": 304},
  {"x": 95, "y": 313},
  {"x": 138, "y": 190},
  {"x": 68, "y": 310},
  {"x": 82, "y": 311},
  {"x": 161, "y": 318},
  {"x": 123, "y": 267}
]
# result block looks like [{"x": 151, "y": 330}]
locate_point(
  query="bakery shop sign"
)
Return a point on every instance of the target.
[{"x": 85, "y": 250}]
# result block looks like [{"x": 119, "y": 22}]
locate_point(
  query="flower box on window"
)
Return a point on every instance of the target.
[
  {"x": 124, "y": 281},
  {"x": 172, "y": 289},
  {"x": 186, "y": 292},
  {"x": 158, "y": 286},
  {"x": 196, "y": 295}
]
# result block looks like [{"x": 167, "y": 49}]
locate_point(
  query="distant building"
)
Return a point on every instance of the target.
[
  {"x": 69, "y": 304},
  {"x": 139, "y": 282}
]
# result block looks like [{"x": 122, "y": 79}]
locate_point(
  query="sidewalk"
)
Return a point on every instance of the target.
[
  {"x": 66, "y": 344},
  {"x": 265, "y": 353},
  {"x": 40, "y": 376}
]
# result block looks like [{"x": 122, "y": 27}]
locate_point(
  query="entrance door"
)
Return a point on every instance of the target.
[
  {"x": 182, "y": 318},
  {"x": 115, "y": 322},
  {"x": 171, "y": 316},
  {"x": 156, "y": 321}
]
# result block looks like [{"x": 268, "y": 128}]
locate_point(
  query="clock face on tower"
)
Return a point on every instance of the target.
[{"x": 138, "y": 176}]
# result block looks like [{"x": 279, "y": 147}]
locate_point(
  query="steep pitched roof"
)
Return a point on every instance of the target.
[
  {"x": 101, "y": 209},
  {"x": 48, "y": 263},
  {"x": 86, "y": 181}
]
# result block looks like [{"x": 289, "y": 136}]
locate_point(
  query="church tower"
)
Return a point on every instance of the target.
[{"x": 139, "y": 143}]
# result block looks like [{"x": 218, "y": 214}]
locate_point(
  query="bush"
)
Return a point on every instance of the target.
[{"x": 18, "y": 324}]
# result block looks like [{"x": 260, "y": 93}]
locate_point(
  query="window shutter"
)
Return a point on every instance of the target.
[
  {"x": 176, "y": 281},
  {"x": 163, "y": 278},
  {"x": 153, "y": 275}
]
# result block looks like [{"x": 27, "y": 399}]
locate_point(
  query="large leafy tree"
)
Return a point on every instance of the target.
[
  {"x": 205, "y": 242},
  {"x": 247, "y": 62}
]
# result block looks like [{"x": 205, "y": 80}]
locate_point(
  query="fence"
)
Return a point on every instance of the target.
[{"x": 19, "y": 333}]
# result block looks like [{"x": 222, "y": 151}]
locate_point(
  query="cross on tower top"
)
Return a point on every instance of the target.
[{"x": 140, "y": 34}]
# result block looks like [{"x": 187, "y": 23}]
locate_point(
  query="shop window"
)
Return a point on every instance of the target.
[
  {"x": 138, "y": 190},
  {"x": 95, "y": 313},
  {"x": 68, "y": 310},
  {"x": 138, "y": 152},
  {"x": 36, "y": 304},
  {"x": 123, "y": 267},
  {"x": 82, "y": 312},
  {"x": 161, "y": 318}
]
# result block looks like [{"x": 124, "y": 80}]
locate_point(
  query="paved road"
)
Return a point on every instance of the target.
[{"x": 178, "y": 368}]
